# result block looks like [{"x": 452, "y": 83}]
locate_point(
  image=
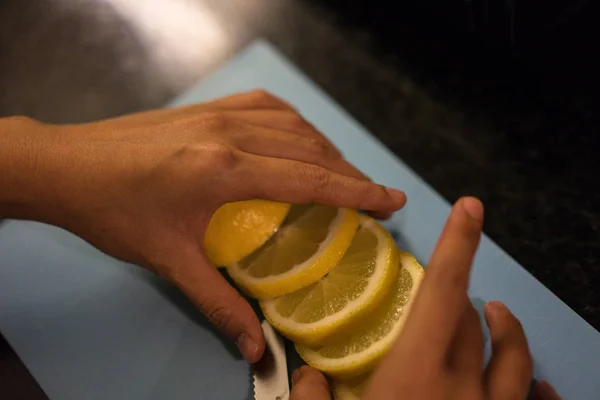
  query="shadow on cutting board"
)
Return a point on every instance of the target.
[
  {"x": 172, "y": 294},
  {"x": 177, "y": 298}
]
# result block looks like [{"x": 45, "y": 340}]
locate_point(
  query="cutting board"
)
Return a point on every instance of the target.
[{"x": 90, "y": 327}]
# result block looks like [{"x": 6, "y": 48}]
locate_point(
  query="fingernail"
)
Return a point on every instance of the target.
[
  {"x": 296, "y": 375},
  {"x": 473, "y": 207},
  {"x": 545, "y": 391},
  {"x": 396, "y": 194},
  {"x": 381, "y": 215},
  {"x": 247, "y": 347},
  {"x": 494, "y": 312},
  {"x": 496, "y": 306}
]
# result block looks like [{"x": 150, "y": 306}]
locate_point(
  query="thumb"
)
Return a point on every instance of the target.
[
  {"x": 309, "y": 384},
  {"x": 220, "y": 303}
]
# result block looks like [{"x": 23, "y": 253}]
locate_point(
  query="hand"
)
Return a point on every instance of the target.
[
  {"x": 143, "y": 188},
  {"x": 439, "y": 354}
]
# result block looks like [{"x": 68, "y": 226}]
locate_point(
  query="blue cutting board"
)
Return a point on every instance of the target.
[{"x": 90, "y": 327}]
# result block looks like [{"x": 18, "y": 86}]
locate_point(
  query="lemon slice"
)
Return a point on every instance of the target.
[
  {"x": 312, "y": 240},
  {"x": 238, "y": 229},
  {"x": 362, "y": 349},
  {"x": 357, "y": 285},
  {"x": 351, "y": 389}
]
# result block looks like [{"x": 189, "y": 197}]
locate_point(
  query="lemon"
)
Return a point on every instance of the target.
[
  {"x": 351, "y": 389},
  {"x": 362, "y": 348},
  {"x": 311, "y": 241},
  {"x": 237, "y": 229},
  {"x": 357, "y": 285}
]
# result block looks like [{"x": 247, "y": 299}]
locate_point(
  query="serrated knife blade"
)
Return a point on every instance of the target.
[{"x": 271, "y": 372}]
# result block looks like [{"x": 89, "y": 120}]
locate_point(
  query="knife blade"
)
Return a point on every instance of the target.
[{"x": 271, "y": 372}]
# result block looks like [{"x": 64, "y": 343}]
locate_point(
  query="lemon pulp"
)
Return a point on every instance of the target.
[
  {"x": 307, "y": 246},
  {"x": 351, "y": 389},
  {"x": 358, "y": 284},
  {"x": 238, "y": 229},
  {"x": 361, "y": 349}
]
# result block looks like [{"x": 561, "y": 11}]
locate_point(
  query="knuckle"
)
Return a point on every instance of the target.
[
  {"x": 215, "y": 121},
  {"x": 262, "y": 98},
  {"x": 208, "y": 155},
  {"x": 319, "y": 146},
  {"x": 295, "y": 121},
  {"x": 261, "y": 94},
  {"x": 222, "y": 156},
  {"x": 356, "y": 194},
  {"x": 367, "y": 194},
  {"x": 218, "y": 314},
  {"x": 26, "y": 122},
  {"x": 21, "y": 119},
  {"x": 320, "y": 179}
]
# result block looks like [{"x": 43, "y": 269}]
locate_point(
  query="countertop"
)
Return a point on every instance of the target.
[{"x": 469, "y": 117}]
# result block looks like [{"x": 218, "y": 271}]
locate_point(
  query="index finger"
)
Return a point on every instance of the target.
[
  {"x": 441, "y": 301},
  {"x": 298, "y": 182}
]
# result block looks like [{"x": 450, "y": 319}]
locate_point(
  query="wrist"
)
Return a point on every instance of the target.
[{"x": 32, "y": 161}]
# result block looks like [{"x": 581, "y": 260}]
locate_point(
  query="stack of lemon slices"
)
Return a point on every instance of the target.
[{"x": 329, "y": 279}]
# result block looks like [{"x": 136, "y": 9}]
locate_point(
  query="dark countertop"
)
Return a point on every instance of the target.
[{"x": 465, "y": 114}]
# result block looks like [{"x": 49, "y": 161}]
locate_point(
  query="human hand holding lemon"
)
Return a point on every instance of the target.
[
  {"x": 438, "y": 355},
  {"x": 143, "y": 188},
  {"x": 176, "y": 191}
]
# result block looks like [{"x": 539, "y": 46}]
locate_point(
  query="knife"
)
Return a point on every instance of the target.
[{"x": 271, "y": 372}]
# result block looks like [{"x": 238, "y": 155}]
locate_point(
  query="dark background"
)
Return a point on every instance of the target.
[{"x": 496, "y": 99}]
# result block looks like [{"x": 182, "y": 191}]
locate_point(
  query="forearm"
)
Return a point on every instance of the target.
[{"x": 29, "y": 165}]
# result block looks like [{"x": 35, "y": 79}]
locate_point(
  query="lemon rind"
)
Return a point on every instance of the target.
[
  {"x": 330, "y": 252},
  {"x": 223, "y": 256},
  {"x": 317, "y": 332},
  {"x": 342, "y": 392},
  {"x": 358, "y": 363}
]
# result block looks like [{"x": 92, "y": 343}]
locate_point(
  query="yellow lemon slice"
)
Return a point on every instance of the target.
[
  {"x": 307, "y": 246},
  {"x": 360, "y": 281},
  {"x": 362, "y": 348},
  {"x": 351, "y": 389},
  {"x": 237, "y": 229}
]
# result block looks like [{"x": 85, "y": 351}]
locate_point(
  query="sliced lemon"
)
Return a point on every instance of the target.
[
  {"x": 311, "y": 241},
  {"x": 351, "y": 389},
  {"x": 356, "y": 286},
  {"x": 361, "y": 349},
  {"x": 238, "y": 229}
]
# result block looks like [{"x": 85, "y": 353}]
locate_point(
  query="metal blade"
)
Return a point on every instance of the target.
[{"x": 271, "y": 373}]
